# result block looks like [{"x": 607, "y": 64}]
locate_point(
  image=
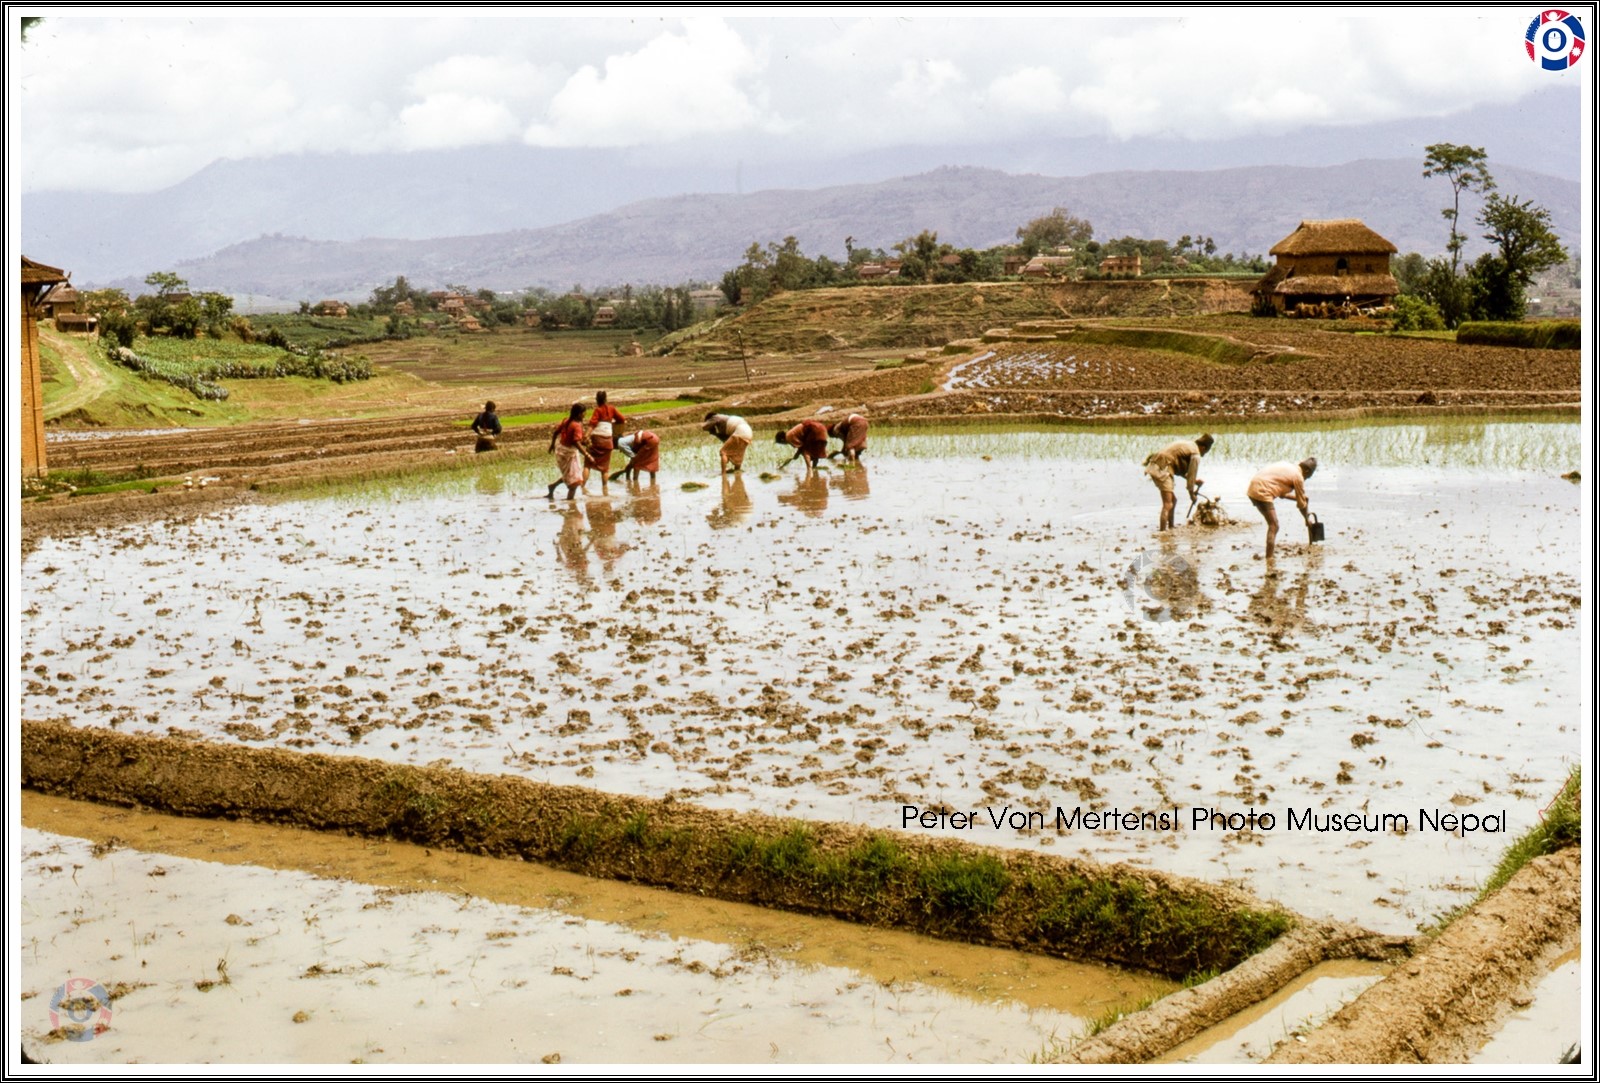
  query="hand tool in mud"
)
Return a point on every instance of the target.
[{"x": 1194, "y": 500}]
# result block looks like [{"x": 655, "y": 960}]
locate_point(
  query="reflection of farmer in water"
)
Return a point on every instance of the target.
[
  {"x": 810, "y": 494},
  {"x": 1178, "y": 459},
  {"x": 1277, "y": 482},
  {"x": 603, "y": 520},
  {"x": 852, "y": 483},
  {"x": 1164, "y": 586},
  {"x": 809, "y": 440},
  {"x": 572, "y": 542},
  {"x": 646, "y": 503},
  {"x": 852, "y": 434},
  {"x": 736, "y": 504},
  {"x": 1283, "y": 610}
]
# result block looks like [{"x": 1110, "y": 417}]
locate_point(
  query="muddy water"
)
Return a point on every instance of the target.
[
  {"x": 1301, "y": 1005},
  {"x": 1546, "y": 1023},
  {"x": 334, "y": 949},
  {"x": 985, "y": 621}
]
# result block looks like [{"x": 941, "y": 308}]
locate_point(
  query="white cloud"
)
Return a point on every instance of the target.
[
  {"x": 1027, "y": 92},
  {"x": 700, "y": 82},
  {"x": 456, "y": 120},
  {"x": 138, "y": 101}
]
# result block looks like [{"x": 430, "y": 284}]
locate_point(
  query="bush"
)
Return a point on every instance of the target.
[
  {"x": 1415, "y": 314},
  {"x": 1539, "y": 335}
]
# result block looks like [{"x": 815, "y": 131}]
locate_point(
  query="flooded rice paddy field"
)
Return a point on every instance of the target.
[
  {"x": 981, "y": 622},
  {"x": 244, "y": 943}
]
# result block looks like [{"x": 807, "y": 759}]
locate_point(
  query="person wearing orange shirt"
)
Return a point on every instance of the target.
[{"x": 1276, "y": 482}]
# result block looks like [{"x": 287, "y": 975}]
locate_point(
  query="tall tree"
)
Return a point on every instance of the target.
[
  {"x": 1053, "y": 230},
  {"x": 1467, "y": 170},
  {"x": 1525, "y": 245}
]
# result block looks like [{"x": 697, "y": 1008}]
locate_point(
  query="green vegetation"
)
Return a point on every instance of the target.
[
  {"x": 1495, "y": 286},
  {"x": 196, "y": 365},
  {"x": 1560, "y": 827},
  {"x": 1540, "y": 335},
  {"x": 318, "y": 332},
  {"x": 85, "y": 482},
  {"x": 1191, "y": 933},
  {"x": 1214, "y": 348},
  {"x": 954, "y": 891}
]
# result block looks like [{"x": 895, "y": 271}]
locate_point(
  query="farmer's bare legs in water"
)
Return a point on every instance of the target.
[{"x": 1270, "y": 514}]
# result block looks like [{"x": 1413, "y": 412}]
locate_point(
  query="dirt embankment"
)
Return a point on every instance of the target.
[
  {"x": 1441, "y": 1006},
  {"x": 1033, "y": 902}
]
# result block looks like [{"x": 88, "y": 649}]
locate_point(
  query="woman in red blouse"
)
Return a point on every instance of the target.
[{"x": 568, "y": 444}]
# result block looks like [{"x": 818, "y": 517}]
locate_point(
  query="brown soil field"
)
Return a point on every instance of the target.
[
  {"x": 798, "y": 368},
  {"x": 1339, "y": 373}
]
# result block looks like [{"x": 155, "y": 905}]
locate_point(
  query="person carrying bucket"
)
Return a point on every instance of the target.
[
  {"x": 486, "y": 426},
  {"x": 1276, "y": 482},
  {"x": 1178, "y": 459}
]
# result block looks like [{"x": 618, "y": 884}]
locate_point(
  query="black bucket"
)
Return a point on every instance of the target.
[{"x": 1314, "y": 527}]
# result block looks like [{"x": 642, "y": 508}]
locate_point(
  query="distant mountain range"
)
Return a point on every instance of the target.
[
  {"x": 277, "y": 230},
  {"x": 697, "y": 238}
]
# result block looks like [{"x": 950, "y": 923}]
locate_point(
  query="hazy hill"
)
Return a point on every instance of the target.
[
  {"x": 481, "y": 190},
  {"x": 687, "y": 238}
]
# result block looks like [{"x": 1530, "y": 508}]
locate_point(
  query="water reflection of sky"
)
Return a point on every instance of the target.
[{"x": 982, "y": 629}]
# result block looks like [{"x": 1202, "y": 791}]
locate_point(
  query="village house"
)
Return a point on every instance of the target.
[
  {"x": 604, "y": 316},
  {"x": 1334, "y": 262},
  {"x": 60, "y": 301},
  {"x": 705, "y": 301},
  {"x": 886, "y": 269},
  {"x": 1047, "y": 267},
  {"x": 331, "y": 308},
  {"x": 37, "y": 279},
  {"x": 1127, "y": 266}
]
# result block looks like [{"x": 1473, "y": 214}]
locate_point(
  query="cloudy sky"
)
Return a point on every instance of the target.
[{"x": 130, "y": 99}]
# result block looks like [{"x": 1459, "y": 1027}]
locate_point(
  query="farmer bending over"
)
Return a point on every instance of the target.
[
  {"x": 1276, "y": 482},
  {"x": 1178, "y": 459}
]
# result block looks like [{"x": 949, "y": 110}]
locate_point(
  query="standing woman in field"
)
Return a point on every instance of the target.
[
  {"x": 568, "y": 444},
  {"x": 602, "y": 436}
]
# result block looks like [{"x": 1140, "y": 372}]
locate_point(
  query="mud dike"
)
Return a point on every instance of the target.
[{"x": 1434, "y": 1007}]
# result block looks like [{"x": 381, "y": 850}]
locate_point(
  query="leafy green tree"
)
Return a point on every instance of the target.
[
  {"x": 1521, "y": 233},
  {"x": 1409, "y": 270},
  {"x": 1054, "y": 230},
  {"x": 1446, "y": 291},
  {"x": 215, "y": 309},
  {"x": 1467, "y": 170},
  {"x": 166, "y": 283},
  {"x": 1525, "y": 245},
  {"x": 1415, "y": 314}
]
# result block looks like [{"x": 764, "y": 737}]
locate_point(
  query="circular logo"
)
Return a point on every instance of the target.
[
  {"x": 1555, "y": 40},
  {"x": 80, "y": 1010},
  {"x": 1161, "y": 587}
]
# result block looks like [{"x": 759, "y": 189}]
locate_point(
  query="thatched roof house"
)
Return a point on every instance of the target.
[
  {"x": 1333, "y": 262},
  {"x": 1048, "y": 267}
]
